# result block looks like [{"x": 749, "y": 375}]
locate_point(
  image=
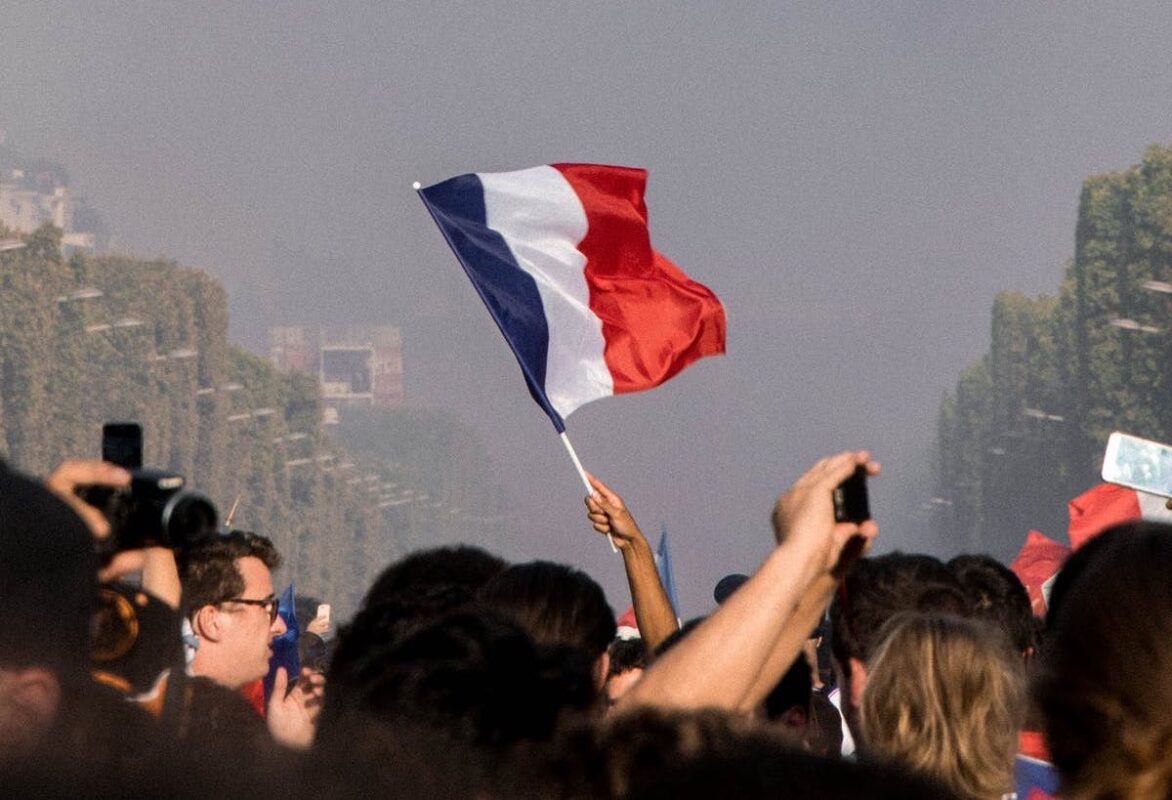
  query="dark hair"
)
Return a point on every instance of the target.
[
  {"x": 654, "y": 753},
  {"x": 877, "y": 589},
  {"x": 793, "y": 689},
  {"x": 48, "y": 579},
  {"x": 391, "y": 618},
  {"x": 627, "y": 654},
  {"x": 555, "y": 604},
  {"x": 1103, "y": 673},
  {"x": 677, "y": 636},
  {"x": 210, "y": 574},
  {"x": 473, "y": 674},
  {"x": 996, "y": 595},
  {"x": 463, "y": 566}
]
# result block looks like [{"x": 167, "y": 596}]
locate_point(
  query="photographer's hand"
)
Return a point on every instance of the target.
[
  {"x": 319, "y": 626},
  {"x": 803, "y": 516},
  {"x": 74, "y": 474}
]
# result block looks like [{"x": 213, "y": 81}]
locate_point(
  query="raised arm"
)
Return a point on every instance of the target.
[
  {"x": 753, "y": 638},
  {"x": 808, "y": 613},
  {"x": 653, "y": 612}
]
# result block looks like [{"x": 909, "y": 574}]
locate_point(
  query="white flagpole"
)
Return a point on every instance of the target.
[{"x": 582, "y": 474}]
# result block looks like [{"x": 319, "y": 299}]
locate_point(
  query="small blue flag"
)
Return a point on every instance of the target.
[
  {"x": 666, "y": 575},
  {"x": 285, "y": 646}
]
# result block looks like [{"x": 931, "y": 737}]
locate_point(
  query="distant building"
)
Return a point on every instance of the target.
[
  {"x": 29, "y": 201},
  {"x": 358, "y": 365}
]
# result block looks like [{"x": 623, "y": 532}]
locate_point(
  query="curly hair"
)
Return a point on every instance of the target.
[
  {"x": 945, "y": 697},
  {"x": 997, "y": 596},
  {"x": 209, "y": 571},
  {"x": 1103, "y": 682}
]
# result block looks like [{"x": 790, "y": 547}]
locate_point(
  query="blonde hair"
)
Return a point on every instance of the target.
[{"x": 945, "y": 697}]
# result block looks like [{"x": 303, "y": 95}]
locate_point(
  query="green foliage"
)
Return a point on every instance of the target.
[
  {"x": 153, "y": 348},
  {"x": 1063, "y": 373},
  {"x": 44, "y": 244}
]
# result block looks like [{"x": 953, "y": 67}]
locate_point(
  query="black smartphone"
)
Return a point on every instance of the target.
[
  {"x": 850, "y": 498},
  {"x": 122, "y": 444}
]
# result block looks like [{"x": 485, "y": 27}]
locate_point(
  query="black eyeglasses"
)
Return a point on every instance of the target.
[{"x": 270, "y": 604}]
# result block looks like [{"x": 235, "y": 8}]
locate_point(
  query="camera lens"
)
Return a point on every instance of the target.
[{"x": 188, "y": 518}]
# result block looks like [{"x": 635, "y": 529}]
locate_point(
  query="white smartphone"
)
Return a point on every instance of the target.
[
  {"x": 323, "y": 611},
  {"x": 1138, "y": 464}
]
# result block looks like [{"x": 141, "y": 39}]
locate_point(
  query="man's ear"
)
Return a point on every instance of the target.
[
  {"x": 32, "y": 697},
  {"x": 40, "y": 690},
  {"x": 858, "y": 681},
  {"x": 601, "y": 668},
  {"x": 206, "y": 623}
]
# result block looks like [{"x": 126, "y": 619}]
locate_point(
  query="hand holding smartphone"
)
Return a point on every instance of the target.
[
  {"x": 851, "y": 503},
  {"x": 1139, "y": 464}
]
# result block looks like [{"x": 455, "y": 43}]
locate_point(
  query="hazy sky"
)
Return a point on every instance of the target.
[{"x": 855, "y": 181}]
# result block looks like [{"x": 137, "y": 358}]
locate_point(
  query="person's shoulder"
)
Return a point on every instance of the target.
[{"x": 210, "y": 706}]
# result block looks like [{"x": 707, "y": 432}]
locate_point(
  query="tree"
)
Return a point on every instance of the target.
[{"x": 1063, "y": 373}]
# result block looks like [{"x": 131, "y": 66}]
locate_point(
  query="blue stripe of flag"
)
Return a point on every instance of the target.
[{"x": 457, "y": 206}]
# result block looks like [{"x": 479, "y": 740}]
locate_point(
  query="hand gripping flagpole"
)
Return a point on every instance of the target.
[{"x": 585, "y": 480}]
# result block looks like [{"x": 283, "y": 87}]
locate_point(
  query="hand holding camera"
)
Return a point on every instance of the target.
[
  {"x": 70, "y": 479},
  {"x": 826, "y": 510},
  {"x": 129, "y": 507}
]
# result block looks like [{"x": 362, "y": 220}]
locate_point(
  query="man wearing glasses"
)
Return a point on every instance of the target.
[{"x": 228, "y": 599}]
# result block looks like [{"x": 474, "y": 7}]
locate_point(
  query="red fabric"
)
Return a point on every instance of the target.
[
  {"x": 1033, "y": 744},
  {"x": 655, "y": 319},
  {"x": 254, "y": 693},
  {"x": 1039, "y": 559},
  {"x": 1099, "y": 508},
  {"x": 1038, "y": 794},
  {"x": 627, "y": 619}
]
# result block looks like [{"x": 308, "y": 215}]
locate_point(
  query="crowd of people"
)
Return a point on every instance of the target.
[{"x": 827, "y": 672}]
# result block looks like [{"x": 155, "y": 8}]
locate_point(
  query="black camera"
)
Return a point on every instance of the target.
[{"x": 155, "y": 510}]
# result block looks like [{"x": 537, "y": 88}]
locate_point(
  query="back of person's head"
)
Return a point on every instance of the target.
[
  {"x": 48, "y": 579},
  {"x": 472, "y": 675},
  {"x": 1103, "y": 686},
  {"x": 997, "y": 595},
  {"x": 462, "y": 566},
  {"x": 945, "y": 697},
  {"x": 789, "y": 701},
  {"x": 877, "y": 589},
  {"x": 824, "y": 729},
  {"x": 678, "y": 635},
  {"x": 555, "y": 604},
  {"x": 209, "y": 571},
  {"x": 389, "y": 619},
  {"x": 652, "y": 753},
  {"x": 627, "y": 654}
]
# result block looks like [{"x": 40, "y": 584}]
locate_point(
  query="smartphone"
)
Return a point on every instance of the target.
[
  {"x": 323, "y": 611},
  {"x": 850, "y": 498},
  {"x": 1138, "y": 464},
  {"x": 122, "y": 444}
]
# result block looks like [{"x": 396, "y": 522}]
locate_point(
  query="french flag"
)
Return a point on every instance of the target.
[
  {"x": 1036, "y": 565},
  {"x": 1109, "y": 504},
  {"x": 562, "y": 257}
]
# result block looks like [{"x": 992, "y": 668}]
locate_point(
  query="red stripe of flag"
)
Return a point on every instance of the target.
[
  {"x": 639, "y": 294},
  {"x": 1099, "y": 508},
  {"x": 1038, "y": 561}
]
